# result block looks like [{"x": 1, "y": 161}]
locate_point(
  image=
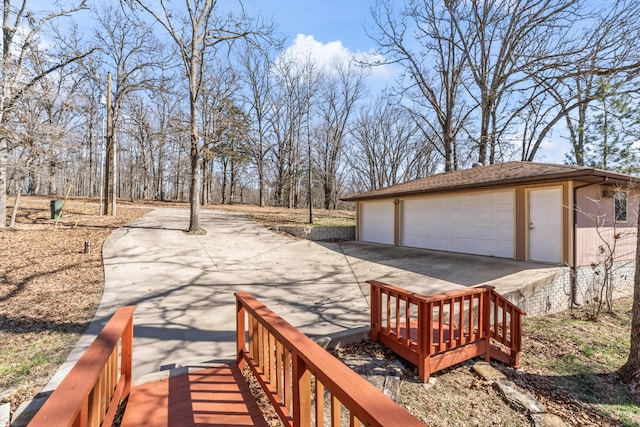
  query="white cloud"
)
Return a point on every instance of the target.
[{"x": 306, "y": 47}]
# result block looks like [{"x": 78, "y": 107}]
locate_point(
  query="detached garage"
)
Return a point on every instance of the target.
[{"x": 519, "y": 210}]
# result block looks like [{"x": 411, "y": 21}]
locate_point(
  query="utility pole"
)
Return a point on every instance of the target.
[
  {"x": 309, "y": 149},
  {"x": 109, "y": 152},
  {"x": 110, "y": 160}
]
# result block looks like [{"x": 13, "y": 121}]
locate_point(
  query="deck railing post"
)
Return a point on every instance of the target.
[
  {"x": 301, "y": 393},
  {"x": 126, "y": 361},
  {"x": 486, "y": 318},
  {"x": 376, "y": 311},
  {"x": 240, "y": 334},
  {"x": 516, "y": 338},
  {"x": 425, "y": 323}
]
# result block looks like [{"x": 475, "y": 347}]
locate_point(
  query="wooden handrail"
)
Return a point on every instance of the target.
[
  {"x": 90, "y": 394},
  {"x": 437, "y": 331},
  {"x": 284, "y": 360},
  {"x": 506, "y": 328}
]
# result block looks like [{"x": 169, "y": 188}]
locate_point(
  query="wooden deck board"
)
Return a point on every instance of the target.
[{"x": 216, "y": 396}]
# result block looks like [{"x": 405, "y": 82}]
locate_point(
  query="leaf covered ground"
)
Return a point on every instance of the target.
[
  {"x": 568, "y": 362},
  {"x": 50, "y": 289}
]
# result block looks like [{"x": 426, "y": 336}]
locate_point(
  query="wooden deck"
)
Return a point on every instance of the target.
[
  {"x": 440, "y": 330},
  {"x": 216, "y": 396},
  {"x": 305, "y": 385}
]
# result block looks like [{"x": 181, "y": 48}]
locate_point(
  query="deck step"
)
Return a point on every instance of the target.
[
  {"x": 178, "y": 369},
  {"x": 212, "y": 396}
]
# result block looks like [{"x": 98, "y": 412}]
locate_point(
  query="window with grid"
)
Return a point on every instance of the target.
[{"x": 620, "y": 206}]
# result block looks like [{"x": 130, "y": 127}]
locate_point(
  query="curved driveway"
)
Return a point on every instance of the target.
[{"x": 183, "y": 285}]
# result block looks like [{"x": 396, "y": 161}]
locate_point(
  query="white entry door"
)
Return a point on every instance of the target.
[{"x": 545, "y": 225}]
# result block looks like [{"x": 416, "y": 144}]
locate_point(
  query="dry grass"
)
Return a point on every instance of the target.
[
  {"x": 569, "y": 364},
  {"x": 266, "y": 215},
  {"x": 270, "y": 215},
  {"x": 50, "y": 289}
]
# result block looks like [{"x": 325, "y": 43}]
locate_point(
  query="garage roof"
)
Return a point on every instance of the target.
[{"x": 498, "y": 175}]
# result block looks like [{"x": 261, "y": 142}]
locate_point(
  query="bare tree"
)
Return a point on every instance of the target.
[
  {"x": 386, "y": 147},
  {"x": 604, "y": 47},
  {"x": 504, "y": 42},
  {"x": 425, "y": 41},
  {"x": 195, "y": 36},
  {"x": 16, "y": 78},
  {"x": 216, "y": 99},
  {"x": 166, "y": 108},
  {"x": 342, "y": 89},
  {"x": 289, "y": 107},
  {"x": 131, "y": 50},
  {"x": 233, "y": 150},
  {"x": 255, "y": 72}
]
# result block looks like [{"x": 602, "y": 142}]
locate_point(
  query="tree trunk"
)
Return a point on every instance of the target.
[
  {"x": 194, "y": 191},
  {"x": 260, "y": 168},
  {"x": 630, "y": 372},
  {"x": 4, "y": 159},
  {"x": 484, "y": 134},
  {"x": 232, "y": 182},
  {"x": 223, "y": 193},
  {"x": 14, "y": 211},
  {"x": 205, "y": 180}
]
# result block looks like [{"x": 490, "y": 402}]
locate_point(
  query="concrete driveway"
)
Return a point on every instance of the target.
[{"x": 183, "y": 285}]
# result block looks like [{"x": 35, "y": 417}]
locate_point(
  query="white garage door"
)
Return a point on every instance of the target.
[
  {"x": 377, "y": 222},
  {"x": 481, "y": 223}
]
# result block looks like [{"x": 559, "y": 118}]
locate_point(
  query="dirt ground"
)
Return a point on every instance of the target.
[{"x": 50, "y": 289}]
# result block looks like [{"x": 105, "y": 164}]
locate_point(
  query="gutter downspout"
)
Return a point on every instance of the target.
[{"x": 574, "y": 267}]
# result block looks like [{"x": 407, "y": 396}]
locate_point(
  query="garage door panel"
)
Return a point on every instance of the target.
[
  {"x": 473, "y": 223},
  {"x": 377, "y": 222}
]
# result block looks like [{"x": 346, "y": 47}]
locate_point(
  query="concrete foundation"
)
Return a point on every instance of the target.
[{"x": 552, "y": 294}]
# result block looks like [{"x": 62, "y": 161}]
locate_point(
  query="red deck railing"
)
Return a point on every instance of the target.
[
  {"x": 441, "y": 330},
  {"x": 90, "y": 394},
  {"x": 304, "y": 383}
]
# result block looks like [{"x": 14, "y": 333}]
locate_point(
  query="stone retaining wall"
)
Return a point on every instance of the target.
[{"x": 319, "y": 232}]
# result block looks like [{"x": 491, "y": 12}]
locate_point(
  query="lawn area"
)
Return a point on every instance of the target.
[
  {"x": 270, "y": 215},
  {"x": 569, "y": 362},
  {"x": 50, "y": 290}
]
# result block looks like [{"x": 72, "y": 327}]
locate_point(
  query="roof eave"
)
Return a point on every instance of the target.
[{"x": 583, "y": 175}]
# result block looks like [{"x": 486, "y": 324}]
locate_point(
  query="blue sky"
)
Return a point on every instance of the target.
[
  {"x": 332, "y": 28},
  {"x": 326, "y": 20}
]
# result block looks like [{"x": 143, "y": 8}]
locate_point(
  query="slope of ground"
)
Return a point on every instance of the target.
[
  {"x": 49, "y": 290},
  {"x": 568, "y": 362}
]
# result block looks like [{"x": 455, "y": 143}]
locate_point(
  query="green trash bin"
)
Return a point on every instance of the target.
[{"x": 56, "y": 208}]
